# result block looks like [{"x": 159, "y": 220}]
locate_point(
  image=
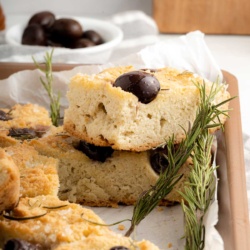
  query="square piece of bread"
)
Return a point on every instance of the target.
[
  {"x": 119, "y": 179},
  {"x": 104, "y": 115}
]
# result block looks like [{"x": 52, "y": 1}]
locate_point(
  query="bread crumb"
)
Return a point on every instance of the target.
[
  {"x": 170, "y": 245},
  {"x": 160, "y": 209},
  {"x": 121, "y": 227}
]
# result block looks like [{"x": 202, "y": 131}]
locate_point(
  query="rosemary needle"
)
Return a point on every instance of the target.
[
  {"x": 206, "y": 114},
  {"x": 47, "y": 84},
  {"x": 198, "y": 193}
]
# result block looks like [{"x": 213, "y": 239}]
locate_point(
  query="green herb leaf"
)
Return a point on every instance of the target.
[
  {"x": 176, "y": 158},
  {"x": 47, "y": 84},
  {"x": 198, "y": 192}
]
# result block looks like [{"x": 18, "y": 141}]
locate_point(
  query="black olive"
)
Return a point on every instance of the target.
[
  {"x": 95, "y": 153},
  {"x": 143, "y": 85},
  {"x": 22, "y": 133},
  {"x": 17, "y": 244},
  {"x": 4, "y": 116},
  {"x": 93, "y": 36},
  {"x": 66, "y": 29},
  {"x": 82, "y": 43},
  {"x": 119, "y": 248},
  {"x": 44, "y": 18},
  {"x": 158, "y": 160},
  {"x": 34, "y": 34}
]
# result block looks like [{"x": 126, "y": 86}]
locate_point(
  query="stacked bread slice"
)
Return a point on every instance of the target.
[
  {"x": 105, "y": 115},
  {"x": 106, "y": 112},
  {"x": 119, "y": 179}
]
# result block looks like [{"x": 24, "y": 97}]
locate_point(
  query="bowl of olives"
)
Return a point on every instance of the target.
[{"x": 88, "y": 35}]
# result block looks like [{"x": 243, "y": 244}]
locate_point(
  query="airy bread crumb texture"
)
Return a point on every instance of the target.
[{"x": 119, "y": 180}]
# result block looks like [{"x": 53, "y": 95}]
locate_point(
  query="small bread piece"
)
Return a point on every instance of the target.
[
  {"x": 62, "y": 225},
  {"x": 104, "y": 115},
  {"x": 27, "y": 116},
  {"x": 38, "y": 173},
  {"x": 9, "y": 182},
  {"x": 120, "y": 179}
]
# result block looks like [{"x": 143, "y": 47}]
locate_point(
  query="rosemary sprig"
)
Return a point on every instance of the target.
[
  {"x": 10, "y": 217},
  {"x": 198, "y": 192},
  {"x": 205, "y": 119},
  {"x": 54, "y": 99}
]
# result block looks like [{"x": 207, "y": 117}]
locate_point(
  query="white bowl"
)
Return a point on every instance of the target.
[{"x": 111, "y": 34}]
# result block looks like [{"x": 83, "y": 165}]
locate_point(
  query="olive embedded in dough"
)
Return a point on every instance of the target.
[{"x": 143, "y": 85}]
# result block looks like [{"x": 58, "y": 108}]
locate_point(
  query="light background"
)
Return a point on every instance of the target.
[{"x": 77, "y": 7}]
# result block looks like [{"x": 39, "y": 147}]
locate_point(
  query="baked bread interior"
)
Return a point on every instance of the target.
[{"x": 95, "y": 178}]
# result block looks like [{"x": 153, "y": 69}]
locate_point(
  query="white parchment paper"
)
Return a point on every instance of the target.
[{"x": 189, "y": 52}]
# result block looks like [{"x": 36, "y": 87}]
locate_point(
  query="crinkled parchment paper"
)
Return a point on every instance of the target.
[{"x": 163, "y": 226}]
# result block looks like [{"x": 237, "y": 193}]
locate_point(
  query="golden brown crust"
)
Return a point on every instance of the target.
[
  {"x": 27, "y": 116},
  {"x": 106, "y": 242},
  {"x": 69, "y": 225},
  {"x": 9, "y": 182},
  {"x": 38, "y": 173}
]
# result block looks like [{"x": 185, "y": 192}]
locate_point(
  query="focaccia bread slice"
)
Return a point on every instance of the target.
[
  {"x": 9, "y": 182},
  {"x": 38, "y": 173},
  {"x": 55, "y": 224},
  {"x": 118, "y": 178},
  {"x": 22, "y": 122},
  {"x": 104, "y": 115}
]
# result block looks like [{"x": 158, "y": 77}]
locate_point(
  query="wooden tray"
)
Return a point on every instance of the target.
[
  {"x": 233, "y": 205},
  {"x": 8, "y": 68},
  {"x": 233, "y": 222},
  {"x": 209, "y": 16}
]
